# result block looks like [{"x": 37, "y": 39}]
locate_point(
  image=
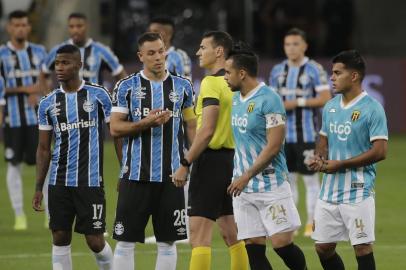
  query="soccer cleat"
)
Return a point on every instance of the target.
[
  {"x": 308, "y": 230},
  {"x": 20, "y": 223}
]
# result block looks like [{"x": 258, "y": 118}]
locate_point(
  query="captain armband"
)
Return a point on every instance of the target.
[{"x": 274, "y": 120}]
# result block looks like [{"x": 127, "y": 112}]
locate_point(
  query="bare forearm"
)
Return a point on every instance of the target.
[
  {"x": 124, "y": 128},
  {"x": 367, "y": 158},
  {"x": 118, "y": 144},
  {"x": 191, "y": 131},
  {"x": 316, "y": 102},
  {"x": 263, "y": 160},
  {"x": 200, "y": 143},
  {"x": 322, "y": 147},
  {"x": 43, "y": 159}
]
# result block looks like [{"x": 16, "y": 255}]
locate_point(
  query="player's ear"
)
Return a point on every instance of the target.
[
  {"x": 219, "y": 51},
  {"x": 139, "y": 55}
]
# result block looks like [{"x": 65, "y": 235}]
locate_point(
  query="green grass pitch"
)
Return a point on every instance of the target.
[{"x": 31, "y": 249}]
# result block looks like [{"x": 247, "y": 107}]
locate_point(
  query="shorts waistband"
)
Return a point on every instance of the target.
[{"x": 223, "y": 149}]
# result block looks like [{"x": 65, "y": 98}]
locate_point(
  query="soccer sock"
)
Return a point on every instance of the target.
[
  {"x": 312, "y": 185},
  {"x": 293, "y": 256},
  {"x": 61, "y": 258},
  {"x": 293, "y": 186},
  {"x": 201, "y": 258},
  {"x": 238, "y": 256},
  {"x": 15, "y": 188},
  {"x": 124, "y": 256},
  {"x": 366, "y": 262},
  {"x": 167, "y": 256},
  {"x": 257, "y": 257},
  {"x": 332, "y": 263},
  {"x": 104, "y": 258}
]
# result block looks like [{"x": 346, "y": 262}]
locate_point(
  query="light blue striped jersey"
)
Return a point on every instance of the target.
[
  {"x": 178, "y": 63},
  {"x": 350, "y": 131},
  {"x": 19, "y": 68},
  {"x": 77, "y": 120},
  {"x": 304, "y": 81},
  {"x": 154, "y": 154},
  {"x": 95, "y": 57},
  {"x": 250, "y": 117}
]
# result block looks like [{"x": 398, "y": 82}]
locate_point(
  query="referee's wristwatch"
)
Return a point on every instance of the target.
[{"x": 185, "y": 163}]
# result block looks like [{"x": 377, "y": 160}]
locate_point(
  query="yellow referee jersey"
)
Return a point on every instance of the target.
[{"x": 215, "y": 91}]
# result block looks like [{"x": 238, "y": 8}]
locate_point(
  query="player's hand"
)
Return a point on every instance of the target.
[
  {"x": 158, "y": 117},
  {"x": 37, "y": 200},
  {"x": 331, "y": 166},
  {"x": 316, "y": 163},
  {"x": 33, "y": 100},
  {"x": 237, "y": 186},
  {"x": 290, "y": 104},
  {"x": 179, "y": 178}
]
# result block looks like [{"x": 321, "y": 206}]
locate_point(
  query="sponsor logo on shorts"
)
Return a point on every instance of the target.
[
  {"x": 97, "y": 224},
  {"x": 119, "y": 228},
  {"x": 181, "y": 231},
  {"x": 280, "y": 220}
]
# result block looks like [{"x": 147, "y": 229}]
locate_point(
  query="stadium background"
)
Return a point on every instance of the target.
[{"x": 375, "y": 28}]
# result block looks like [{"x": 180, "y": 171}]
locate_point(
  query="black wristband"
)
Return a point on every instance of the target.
[{"x": 185, "y": 163}]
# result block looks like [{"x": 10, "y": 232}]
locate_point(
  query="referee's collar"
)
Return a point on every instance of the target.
[
  {"x": 80, "y": 87},
  {"x": 87, "y": 44},
  {"x": 11, "y": 46}
]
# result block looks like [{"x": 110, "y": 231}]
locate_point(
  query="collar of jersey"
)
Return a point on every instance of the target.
[
  {"x": 253, "y": 92},
  {"x": 352, "y": 102},
  {"x": 87, "y": 44},
  {"x": 171, "y": 48},
  {"x": 11, "y": 46},
  {"x": 80, "y": 87},
  {"x": 304, "y": 61},
  {"x": 145, "y": 77}
]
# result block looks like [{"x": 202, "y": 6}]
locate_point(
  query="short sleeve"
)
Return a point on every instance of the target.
[
  {"x": 377, "y": 124},
  {"x": 188, "y": 102},
  {"x": 111, "y": 60},
  {"x": 49, "y": 61},
  {"x": 120, "y": 101},
  {"x": 320, "y": 78},
  {"x": 44, "y": 119},
  {"x": 2, "y": 91},
  {"x": 105, "y": 101},
  {"x": 209, "y": 92},
  {"x": 273, "y": 80},
  {"x": 273, "y": 110}
]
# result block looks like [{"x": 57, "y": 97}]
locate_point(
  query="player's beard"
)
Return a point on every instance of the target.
[{"x": 20, "y": 40}]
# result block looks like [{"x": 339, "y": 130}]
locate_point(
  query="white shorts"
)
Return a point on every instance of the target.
[
  {"x": 343, "y": 222},
  {"x": 265, "y": 213}
]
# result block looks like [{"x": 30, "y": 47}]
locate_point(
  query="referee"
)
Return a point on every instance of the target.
[{"x": 212, "y": 152}]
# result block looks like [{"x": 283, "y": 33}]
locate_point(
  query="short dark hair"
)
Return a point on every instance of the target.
[
  {"x": 148, "y": 36},
  {"x": 221, "y": 38},
  {"x": 77, "y": 15},
  {"x": 351, "y": 59},
  {"x": 244, "y": 58},
  {"x": 68, "y": 48},
  {"x": 163, "y": 20},
  {"x": 296, "y": 32},
  {"x": 17, "y": 14}
]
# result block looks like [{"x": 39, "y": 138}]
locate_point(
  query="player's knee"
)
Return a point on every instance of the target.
[
  {"x": 229, "y": 236},
  {"x": 61, "y": 238},
  {"x": 363, "y": 249},
  {"x": 325, "y": 250},
  {"x": 95, "y": 242}
]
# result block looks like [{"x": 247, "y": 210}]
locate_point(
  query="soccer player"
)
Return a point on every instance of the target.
[
  {"x": 20, "y": 66},
  {"x": 177, "y": 60},
  {"x": 74, "y": 113},
  {"x": 148, "y": 112},
  {"x": 212, "y": 152},
  {"x": 353, "y": 137},
  {"x": 95, "y": 56},
  {"x": 263, "y": 202},
  {"x": 302, "y": 84}
]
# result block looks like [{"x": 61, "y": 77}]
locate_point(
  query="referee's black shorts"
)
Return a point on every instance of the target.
[{"x": 210, "y": 177}]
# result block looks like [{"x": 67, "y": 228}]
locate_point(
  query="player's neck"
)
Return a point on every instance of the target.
[
  {"x": 351, "y": 94},
  {"x": 72, "y": 85},
  {"x": 248, "y": 86},
  {"x": 218, "y": 65},
  {"x": 82, "y": 43},
  {"x": 296, "y": 62},
  {"x": 18, "y": 44},
  {"x": 155, "y": 76}
]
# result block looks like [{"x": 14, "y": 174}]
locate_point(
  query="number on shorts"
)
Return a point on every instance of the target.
[
  {"x": 359, "y": 224},
  {"x": 276, "y": 210},
  {"x": 97, "y": 211},
  {"x": 180, "y": 217}
]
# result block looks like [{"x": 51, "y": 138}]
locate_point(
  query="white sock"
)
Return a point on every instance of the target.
[
  {"x": 312, "y": 185},
  {"x": 61, "y": 258},
  {"x": 45, "y": 193},
  {"x": 124, "y": 256},
  {"x": 293, "y": 186},
  {"x": 15, "y": 188},
  {"x": 167, "y": 256},
  {"x": 104, "y": 258}
]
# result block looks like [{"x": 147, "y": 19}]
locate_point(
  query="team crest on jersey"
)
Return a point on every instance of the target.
[
  {"x": 88, "y": 106},
  {"x": 174, "y": 97},
  {"x": 251, "y": 106},
  {"x": 138, "y": 94},
  {"x": 355, "y": 115},
  {"x": 91, "y": 61},
  {"x": 304, "y": 79}
]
